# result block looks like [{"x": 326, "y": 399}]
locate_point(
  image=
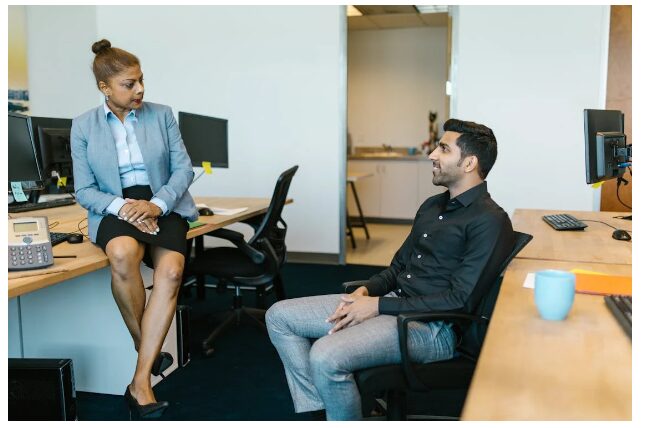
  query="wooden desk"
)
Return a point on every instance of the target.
[
  {"x": 90, "y": 257},
  {"x": 592, "y": 245},
  {"x": 67, "y": 320},
  {"x": 532, "y": 369}
]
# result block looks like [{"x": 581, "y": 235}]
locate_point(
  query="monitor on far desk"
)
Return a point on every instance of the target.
[{"x": 607, "y": 153}]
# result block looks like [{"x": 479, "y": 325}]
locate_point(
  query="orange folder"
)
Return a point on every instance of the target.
[{"x": 595, "y": 283}]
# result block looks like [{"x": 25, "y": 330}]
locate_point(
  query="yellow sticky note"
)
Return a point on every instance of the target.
[
  {"x": 207, "y": 167},
  {"x": 597, "y": 185},
  {"x": 61, "y": 182}
]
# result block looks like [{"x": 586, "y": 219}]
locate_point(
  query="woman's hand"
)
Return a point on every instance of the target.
[
  {"x": 148, "y": 225},
  {"x": 139, "y": 210}
]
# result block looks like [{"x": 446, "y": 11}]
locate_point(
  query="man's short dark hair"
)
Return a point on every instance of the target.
[{"x": 476, "y": 140}]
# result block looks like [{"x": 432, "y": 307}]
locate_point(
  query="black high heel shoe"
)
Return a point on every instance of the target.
[
  {"x": 146, "y": 411},
  {"x": 163, "y": 361}
]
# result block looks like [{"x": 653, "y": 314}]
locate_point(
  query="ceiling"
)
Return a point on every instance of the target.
[{"x": 392, "y": 16}]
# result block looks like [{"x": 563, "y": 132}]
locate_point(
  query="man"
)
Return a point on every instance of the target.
[{"x": 458, "y": 241}]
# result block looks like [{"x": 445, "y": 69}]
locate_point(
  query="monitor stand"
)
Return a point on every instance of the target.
[{"x": 34, "y": 196}]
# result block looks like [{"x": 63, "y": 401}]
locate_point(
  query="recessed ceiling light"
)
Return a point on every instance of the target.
[
  {"x": 425, "y": 8},
  {"x": 353, "y": 11}
]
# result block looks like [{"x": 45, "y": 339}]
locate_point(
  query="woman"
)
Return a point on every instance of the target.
[{"x": 132, "y": 174}]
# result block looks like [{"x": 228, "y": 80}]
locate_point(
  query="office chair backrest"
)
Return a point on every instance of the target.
[
  {"x": 473, "y": 337},
  {"x": 272, "y": 225}
]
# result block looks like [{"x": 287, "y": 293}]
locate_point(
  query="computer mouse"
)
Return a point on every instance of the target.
[
  {"x": 621, "y": 235},
  {"x": 205, "y": 211},
  {"x": 74, "y": 238}
]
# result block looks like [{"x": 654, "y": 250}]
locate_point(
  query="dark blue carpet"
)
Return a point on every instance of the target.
[{"x": 244, "y": 379}]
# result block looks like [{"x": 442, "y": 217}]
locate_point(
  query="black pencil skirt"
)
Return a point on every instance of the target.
[{"x": 172, "y": 235}]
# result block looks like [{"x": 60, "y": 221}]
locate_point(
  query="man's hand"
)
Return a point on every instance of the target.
[
  {"x": 354, "y": 308},
  {"x": 138, "y": 210}
]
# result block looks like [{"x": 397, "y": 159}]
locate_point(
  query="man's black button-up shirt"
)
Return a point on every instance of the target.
[{"x": 450, "y": 258}]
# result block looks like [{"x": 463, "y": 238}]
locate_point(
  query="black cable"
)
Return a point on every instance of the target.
[
  {"x": 80, "y": 229},
  {"x": 597, "y": 221},
  {"x": 618, "y": 195}
]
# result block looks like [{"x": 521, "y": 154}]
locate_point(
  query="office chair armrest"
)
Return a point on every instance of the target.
[
  {"x": 349, "y": 287},
  {"x": 238, "y": 240},
  {"x": 271, "y": 251},
  {"x": 404, "y": 319}
]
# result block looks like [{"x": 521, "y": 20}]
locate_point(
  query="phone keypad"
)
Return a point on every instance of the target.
[{"x": 29, "y": 256}]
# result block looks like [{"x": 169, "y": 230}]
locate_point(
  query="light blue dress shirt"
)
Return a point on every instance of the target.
[{"x": 131, "y": 164}]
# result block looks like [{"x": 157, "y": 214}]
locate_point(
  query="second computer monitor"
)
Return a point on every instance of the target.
[
  {"x": 205, "y": 138},
  {"x": 52, "y": 141},
  {"x": 599, "y": 121},
  {"x": 56, "y": 160}
]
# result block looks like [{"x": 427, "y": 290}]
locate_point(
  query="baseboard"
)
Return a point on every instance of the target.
[
  {"x": 381, "y": 220},
  {"x": 314, "y": 258}
]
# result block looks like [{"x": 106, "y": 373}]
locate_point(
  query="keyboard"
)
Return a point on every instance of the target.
[
  {"x": 621, "y": 308},
  {"x": 58, "y": 237},
  {"x": 30, "y": 206},
  {"x": 564, "y": 222}
]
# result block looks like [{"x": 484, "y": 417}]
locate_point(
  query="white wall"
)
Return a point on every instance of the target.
[
  {"x": 59, "y": 40},
  {"x": 274, "y": 72},
  {"x": 528, "y": 72},
  {"x": 394, "y": 78}
]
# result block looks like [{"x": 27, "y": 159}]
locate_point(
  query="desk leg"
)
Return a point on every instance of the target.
[
  {"x": 359, "y": 209},
  {"x": 201, "y": 284}
]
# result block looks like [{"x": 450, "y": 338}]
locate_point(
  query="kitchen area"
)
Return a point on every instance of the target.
[{"x": 398, "y": 60}]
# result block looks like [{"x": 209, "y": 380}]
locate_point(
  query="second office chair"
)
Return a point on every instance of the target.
[{"x": 254, "y": 265}]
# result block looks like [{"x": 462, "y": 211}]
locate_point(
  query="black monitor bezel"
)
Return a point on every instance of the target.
[
  {"x": 197, "y": 162},
  {"x": 39, "y": 184}
]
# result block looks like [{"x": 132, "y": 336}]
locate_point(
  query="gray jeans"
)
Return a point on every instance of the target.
[{"x": 319, "y": 375}]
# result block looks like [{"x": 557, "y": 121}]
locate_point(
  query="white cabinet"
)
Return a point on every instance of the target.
[
  {"x": 398, "y": 189},
  {"x": 392, "y": 191}
]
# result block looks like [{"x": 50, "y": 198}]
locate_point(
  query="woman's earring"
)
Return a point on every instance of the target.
[{"x": 106, "y": 97}]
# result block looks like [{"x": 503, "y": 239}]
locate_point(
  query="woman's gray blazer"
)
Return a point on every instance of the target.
[{"x": 96, "y": 168}]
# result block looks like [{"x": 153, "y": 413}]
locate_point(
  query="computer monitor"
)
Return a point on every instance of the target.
[
  {"x": 606, "y": 148},
  {"x": 56, "y": 161},
  {"x": 205, "y": 139},
  {"x": 23, "y": 165},
  {"x": 46, "y": 122},
  {"x": 43, "y": 144}
]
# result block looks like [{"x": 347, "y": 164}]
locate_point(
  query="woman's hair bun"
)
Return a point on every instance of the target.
[{"x": 100, "y": 46}]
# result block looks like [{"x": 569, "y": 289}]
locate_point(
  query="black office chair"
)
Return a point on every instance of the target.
[
  {"x": 396, "y": 380},
  {"x": 253, "y": 265}
]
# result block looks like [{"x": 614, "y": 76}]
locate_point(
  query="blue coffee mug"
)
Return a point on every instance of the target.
[{"x": 554, "y": 293}]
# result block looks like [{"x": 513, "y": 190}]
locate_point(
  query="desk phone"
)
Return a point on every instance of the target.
[{"x": 29, "y": 243}]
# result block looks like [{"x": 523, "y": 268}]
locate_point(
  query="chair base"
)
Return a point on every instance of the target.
[
  {"x": 234, "y": 317},
  {"x": 394, "y": 408}
]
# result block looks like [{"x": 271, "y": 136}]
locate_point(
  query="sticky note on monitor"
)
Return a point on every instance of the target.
[
  {"x": 207, "y": 167},
  {"x": 17, "y": 191}
]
